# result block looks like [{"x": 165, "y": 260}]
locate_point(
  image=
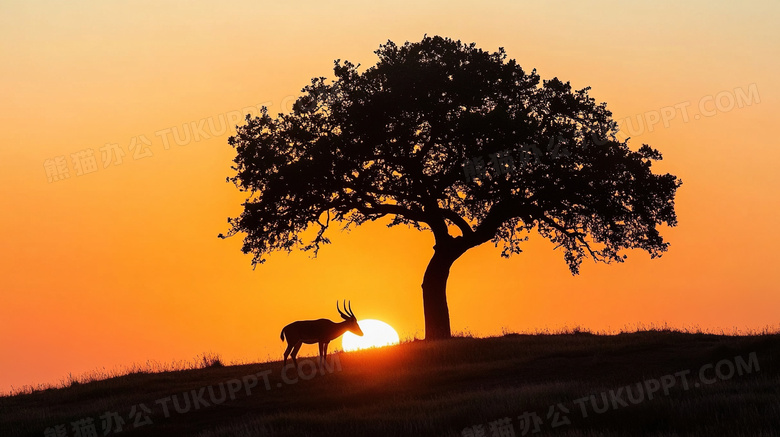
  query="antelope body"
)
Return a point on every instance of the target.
[{"x": 321, "y": 331}]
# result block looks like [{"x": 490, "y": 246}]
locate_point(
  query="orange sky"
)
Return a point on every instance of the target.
[{"x": 122, "y": 264}]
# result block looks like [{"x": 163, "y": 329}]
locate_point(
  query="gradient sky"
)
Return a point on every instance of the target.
[{"x": 121, "y": 265}]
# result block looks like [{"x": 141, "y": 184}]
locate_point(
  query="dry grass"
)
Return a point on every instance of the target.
[
  {"x": 420, "y": 389},
  {"x": 207, "y": 359}
]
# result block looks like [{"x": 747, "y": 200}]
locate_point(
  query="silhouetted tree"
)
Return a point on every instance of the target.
[{"x": 444, "y": 136}]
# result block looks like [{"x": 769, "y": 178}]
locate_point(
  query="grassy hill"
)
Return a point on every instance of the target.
[{"x": 652, "y": 383}]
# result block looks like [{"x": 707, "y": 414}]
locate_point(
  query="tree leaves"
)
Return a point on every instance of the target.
[{"x": 392, "y": 140}]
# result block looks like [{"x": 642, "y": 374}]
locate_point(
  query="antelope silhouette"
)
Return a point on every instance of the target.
[{"x": 321, "y": 331}]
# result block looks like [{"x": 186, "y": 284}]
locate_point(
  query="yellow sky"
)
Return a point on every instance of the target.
[{"x": 121, "y": 264}]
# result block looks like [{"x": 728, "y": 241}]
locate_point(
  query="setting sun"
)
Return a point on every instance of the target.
[{"x": 375, "y": 334}]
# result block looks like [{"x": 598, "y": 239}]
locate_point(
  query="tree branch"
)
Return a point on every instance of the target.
[{"x": 461, "y": 223}]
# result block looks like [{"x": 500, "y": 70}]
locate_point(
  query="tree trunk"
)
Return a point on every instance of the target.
[{"x": 437, "y": 314}]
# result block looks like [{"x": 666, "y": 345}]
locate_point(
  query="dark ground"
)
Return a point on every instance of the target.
[{"x": 652, "y": 383}]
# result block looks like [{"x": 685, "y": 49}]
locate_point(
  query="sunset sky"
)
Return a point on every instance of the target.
[{"x": 120, "y": 263}]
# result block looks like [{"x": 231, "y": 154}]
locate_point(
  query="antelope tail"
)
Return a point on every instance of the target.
[{"x": 282, "y": 335}]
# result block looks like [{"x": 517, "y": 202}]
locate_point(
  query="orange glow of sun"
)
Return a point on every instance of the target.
[{"x": 375, "y": 334}]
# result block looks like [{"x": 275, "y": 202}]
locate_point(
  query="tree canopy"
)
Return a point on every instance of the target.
[{"x": 443, "y": 136}]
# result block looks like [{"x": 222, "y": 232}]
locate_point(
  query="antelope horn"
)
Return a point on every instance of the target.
[
  {"x": 350, "y": 309},
  {"x": 339, "y": 309}
]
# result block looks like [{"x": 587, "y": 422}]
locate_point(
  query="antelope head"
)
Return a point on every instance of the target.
[{"x": 349, "y": 319}]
